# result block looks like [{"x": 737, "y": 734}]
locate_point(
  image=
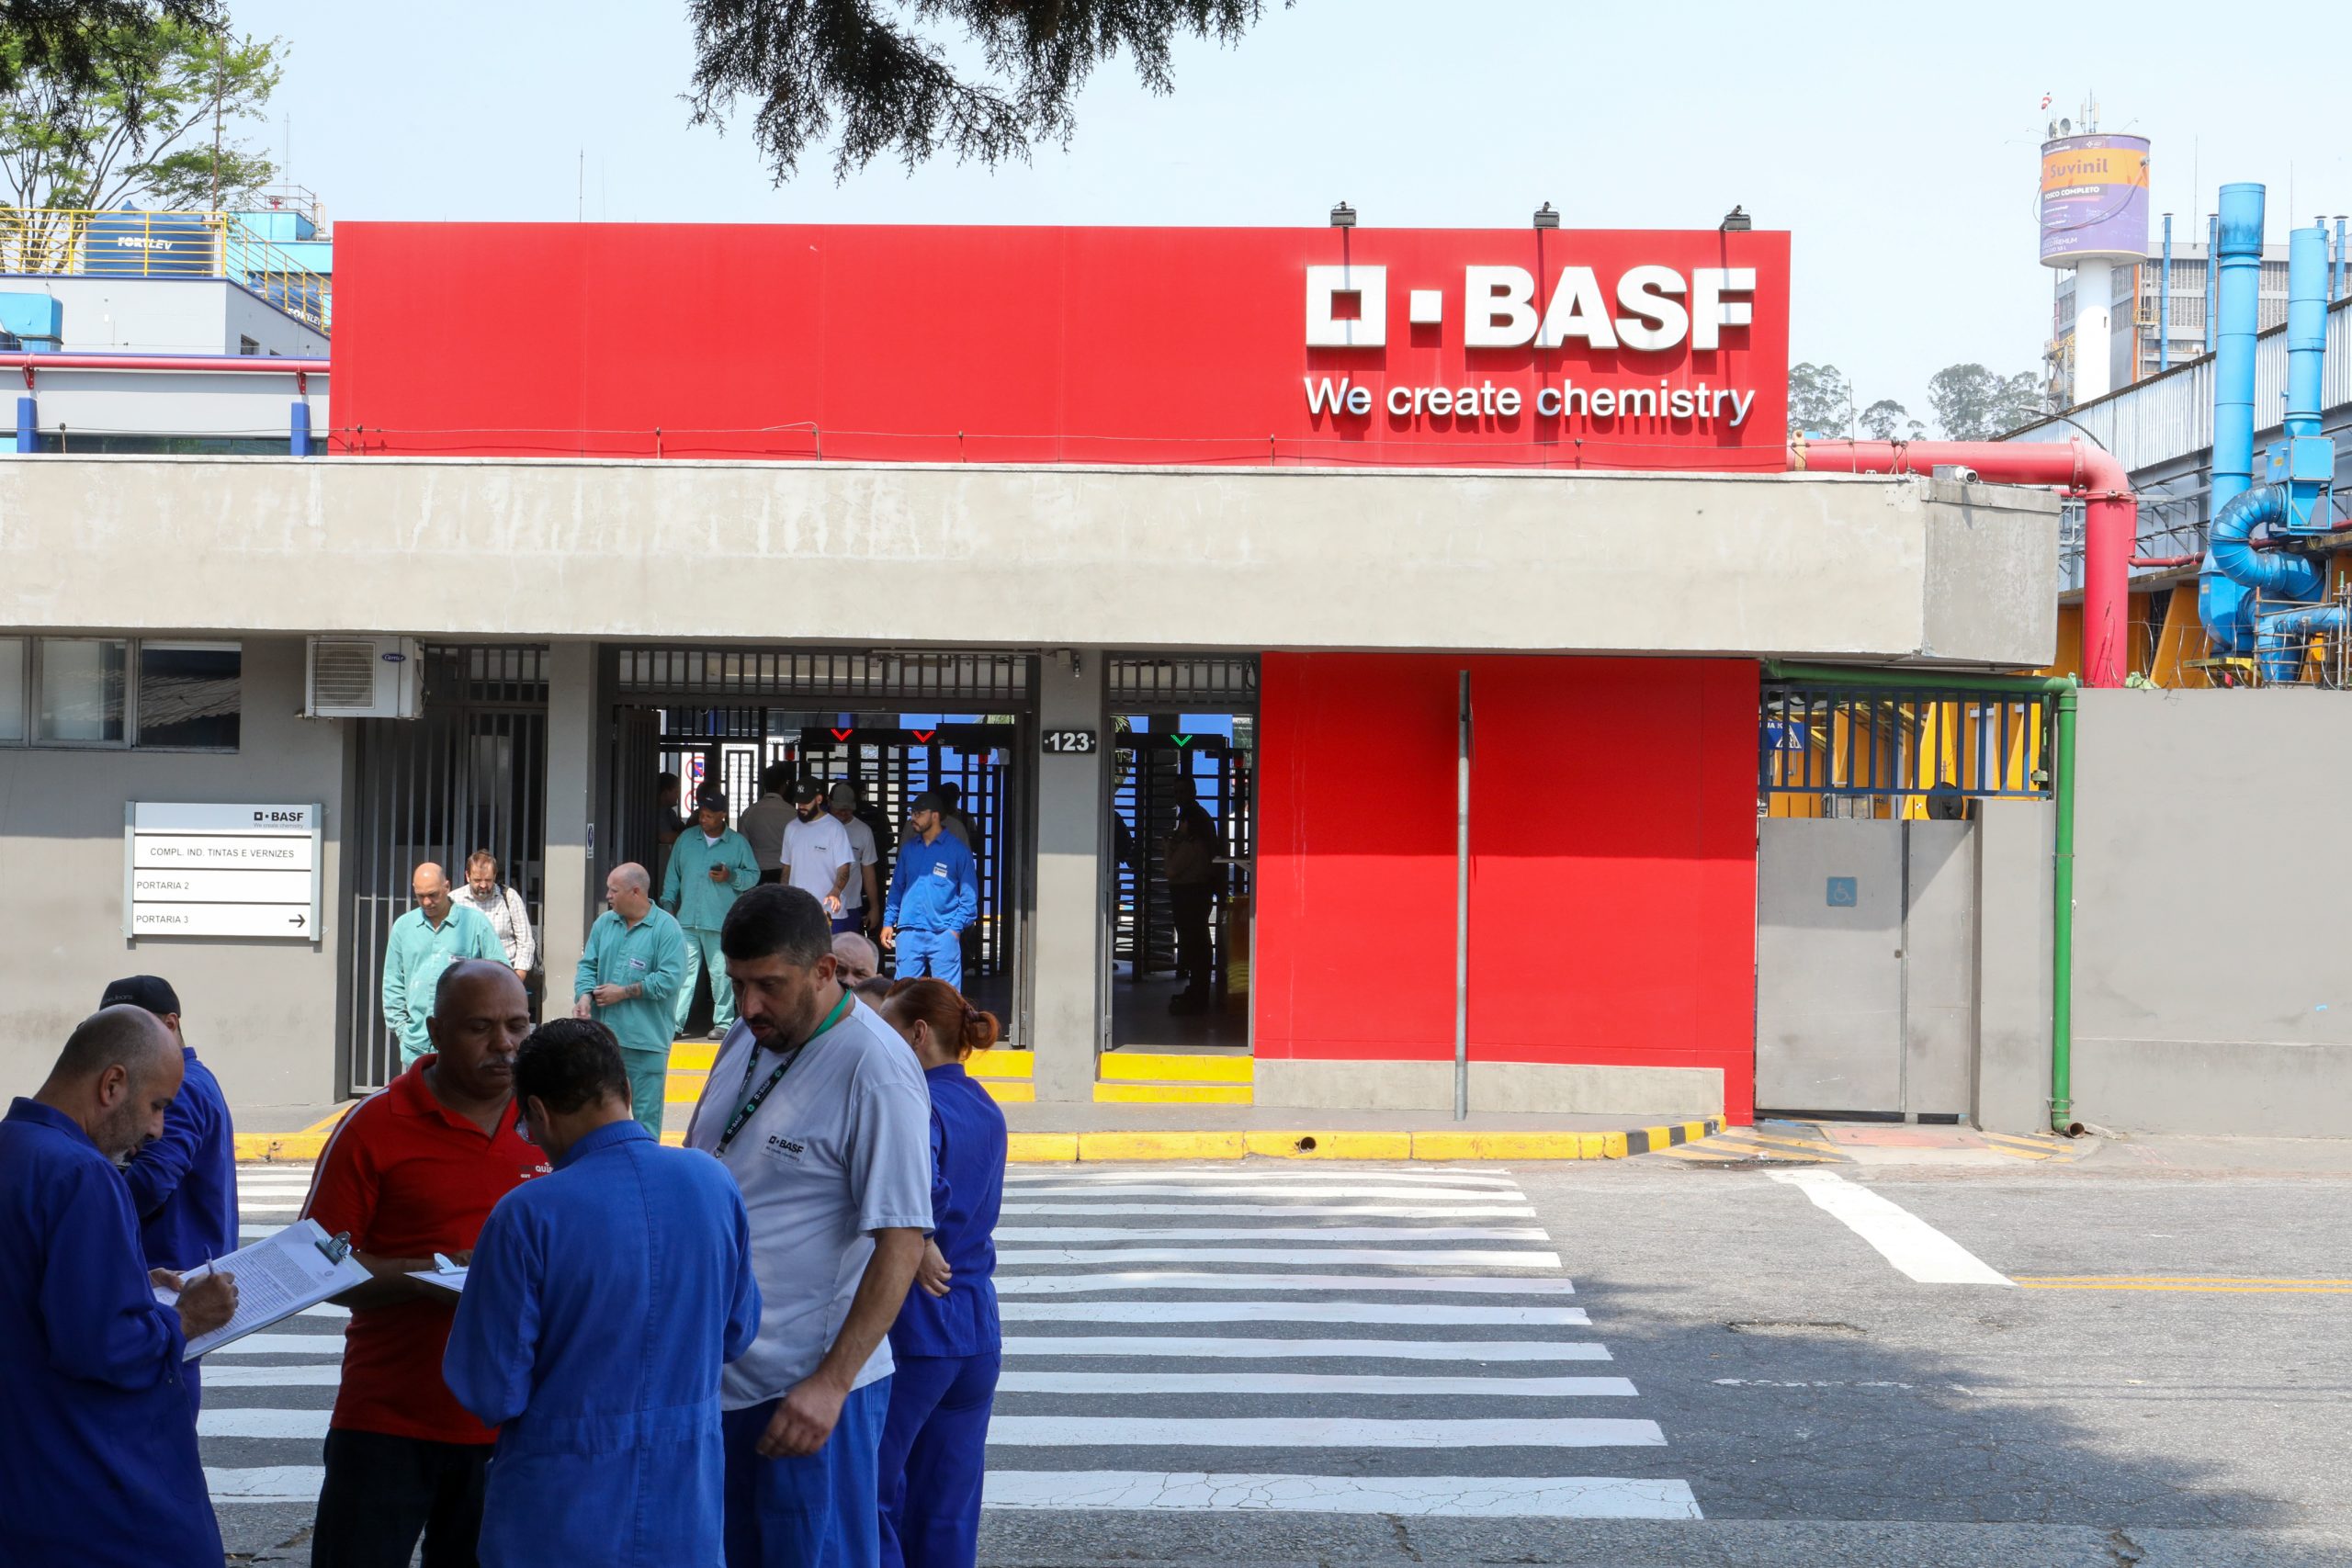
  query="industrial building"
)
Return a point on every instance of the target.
[{"x": 1574, "y": 746}]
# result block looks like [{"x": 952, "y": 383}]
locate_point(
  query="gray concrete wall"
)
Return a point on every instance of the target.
[
  {"x": 261, "y": 1013},
  {"x": 2212, "y": 986},
  {"x": 1066, "y": 932},
  {"x": 2013, "y": 903},
  {"x": 1667, "y": 1093},
  {"x": 1801, "y": 566}
]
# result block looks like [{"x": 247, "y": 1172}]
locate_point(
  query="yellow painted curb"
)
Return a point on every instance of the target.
[
  {"x": 1172, "y": 1094},
  {"x": 1002, "y": 1064},
  {"x": 692, "y": 1056},
  {"x": 1024, "y": 1148},
  {"x": 329, "y": 1122},
  {"x": 1510, "y": 1145},
  {"x": 682, "y": 1089},
  {"x": 1330, "y": 1145},
  {"x": 257, "y": 1149},
  {"x": 1169, "y": 1066},
  {"x": 1162, "y": 1145},
  {"x": 1011, "y": 1091}
]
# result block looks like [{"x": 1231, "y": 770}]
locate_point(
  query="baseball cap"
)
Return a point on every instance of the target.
[
  {"x": 711, "y": 800},
  {"x": 843, "y": 793},
  {"x": 149, "y": 991},
  {"x": 807, "y": 791},
  {"x": 926, "y": 801}
]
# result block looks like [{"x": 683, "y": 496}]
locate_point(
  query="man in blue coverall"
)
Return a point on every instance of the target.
[
  {"x": 602, "y": 1302},
  {"x": 184, "y": 1185},
  {"x": 711, "y": 865},
  {"x": 934, "y": 894}
]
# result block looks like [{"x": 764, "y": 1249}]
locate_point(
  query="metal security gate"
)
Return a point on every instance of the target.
[
  {"x": 1865, "y": 966},
  {"x": 469, "y": 774},
  {"x": 1866, "y": 888},
  {"x": 1180, "y": 729},
  {"x": 894, "y": 724}
]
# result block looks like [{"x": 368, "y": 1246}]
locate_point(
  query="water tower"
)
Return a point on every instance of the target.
[{"x": 2094, "y": 219}]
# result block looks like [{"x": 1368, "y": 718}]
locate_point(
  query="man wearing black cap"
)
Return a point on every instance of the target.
[
  {"x": 817, "y": 856},
  {"x": 183, "y": 1184},
  {"x": 710, "y": 867},
  {"x": 934, "y": 894}
]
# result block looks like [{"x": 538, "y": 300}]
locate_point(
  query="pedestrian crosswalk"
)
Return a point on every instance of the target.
[
  {"x": 1227, "y": 1339},
  {"x": 1267, "y": 1338}
]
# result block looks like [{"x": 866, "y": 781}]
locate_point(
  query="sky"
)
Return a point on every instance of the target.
[{"x": 1898, "y": 146}]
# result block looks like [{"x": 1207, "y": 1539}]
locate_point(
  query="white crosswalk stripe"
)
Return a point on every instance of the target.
[{"x": 1289, "y": 1322}]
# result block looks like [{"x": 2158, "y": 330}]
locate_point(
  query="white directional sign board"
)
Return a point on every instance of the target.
[{"x": 213, "y": 870}]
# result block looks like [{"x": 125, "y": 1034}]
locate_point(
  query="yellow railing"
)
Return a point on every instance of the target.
[{"x": 78, "y": 242}]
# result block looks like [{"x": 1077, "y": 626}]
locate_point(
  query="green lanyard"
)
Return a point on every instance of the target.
[{"x": 751, "y": 1107}]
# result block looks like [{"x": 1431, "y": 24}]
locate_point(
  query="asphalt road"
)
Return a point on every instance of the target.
[{"x": 1634, "y": 1362}]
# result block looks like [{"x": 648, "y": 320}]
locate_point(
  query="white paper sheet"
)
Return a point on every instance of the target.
[
  {"x": 276, "y": 1276},
  {"x": 453, "y": 1281}
]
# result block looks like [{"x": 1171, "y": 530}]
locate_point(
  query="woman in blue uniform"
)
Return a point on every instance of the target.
[{"x": 946, "y": 1342}]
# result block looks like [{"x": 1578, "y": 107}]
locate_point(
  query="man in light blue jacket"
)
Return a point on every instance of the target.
[
  {"x": 934, "y": 894},
  {"x": 628, "y": 981},
  {"x": 711, "y": 865}
]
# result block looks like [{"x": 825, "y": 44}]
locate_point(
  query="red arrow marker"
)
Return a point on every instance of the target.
[
  {"x": 841, "y": 735},
  {"x": 923, "y": 735}
]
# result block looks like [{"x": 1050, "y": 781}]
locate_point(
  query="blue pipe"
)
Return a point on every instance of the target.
[
  {"x": 2286, "y": 633},
  {"x": 2164, "y": 305},
  {"x": 299, "y": 433},
  {"x": 2275, "y": 572},
  {"x": 2221, "y": 595},
  {"x": 2306, "y": 327},
  {"x": 27, "y": 425},
  {"x": 2336, "y": 279}
]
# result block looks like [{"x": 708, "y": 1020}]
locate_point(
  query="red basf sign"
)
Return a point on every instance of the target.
[{"x": 1610, "y": 349}]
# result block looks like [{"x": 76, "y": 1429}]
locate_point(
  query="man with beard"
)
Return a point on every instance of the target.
[{"x": 817, "y": 855}]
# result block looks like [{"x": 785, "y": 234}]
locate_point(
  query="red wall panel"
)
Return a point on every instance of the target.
[
  {"x": 1002, "y": 345},
  {"x": 1612, "y": 904}
]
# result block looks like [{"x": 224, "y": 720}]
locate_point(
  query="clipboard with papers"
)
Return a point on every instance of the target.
[{"x": 278, "y": 1276}]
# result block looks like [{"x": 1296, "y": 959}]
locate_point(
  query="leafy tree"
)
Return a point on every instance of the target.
[
  {"x": 1887, "y": 420},
  {"x": 1971, "y": 404},
  {"x": 880, "y": 69},
  {"x": 74, "y": 41},
  {"x": 1821, "y": 400},
  {"x": 133, "y": 134}
]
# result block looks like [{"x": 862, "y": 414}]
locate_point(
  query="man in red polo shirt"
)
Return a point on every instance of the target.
[{"x": 414, "y": 1169}]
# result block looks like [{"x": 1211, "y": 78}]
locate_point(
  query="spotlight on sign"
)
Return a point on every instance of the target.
[
  {"x": 1546, "y": 218},
  {"x": 1343, "y": 217},
  {"x": 1736, "y": 221}
]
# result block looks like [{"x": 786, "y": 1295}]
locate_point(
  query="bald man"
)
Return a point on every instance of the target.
[
  {"x": 630, "y": 980},
  {"x": 99, "y": 1463},
  {"x": 426, "y": 940}
]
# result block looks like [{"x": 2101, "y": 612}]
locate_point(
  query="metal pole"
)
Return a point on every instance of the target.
[
  {"x": 2164, "y": 305},
  {"x": 2213, "y": 278},
  {"x": 1461, "y": 906}
]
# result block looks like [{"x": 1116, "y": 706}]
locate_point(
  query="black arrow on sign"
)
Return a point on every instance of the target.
[{"x": 296, "y": 920}]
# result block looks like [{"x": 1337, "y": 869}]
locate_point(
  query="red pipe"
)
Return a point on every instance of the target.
[
  {"x": 2110, "y": 525},
  {"x": 249, "y": 363},
  {"x": 2160, "y": 562}
]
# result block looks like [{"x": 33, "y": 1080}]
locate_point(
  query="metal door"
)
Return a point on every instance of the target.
[
  {"x": 1865, "y": 966},
  {"x": 469, "y": 774}
]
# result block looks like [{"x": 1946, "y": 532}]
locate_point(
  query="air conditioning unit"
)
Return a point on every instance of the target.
[{"x": 363, "y": 677}]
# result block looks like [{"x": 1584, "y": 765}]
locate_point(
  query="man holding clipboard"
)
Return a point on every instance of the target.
[
  {"x": 99, "y": 1463},
  {"x": 414, "y": 1169}
]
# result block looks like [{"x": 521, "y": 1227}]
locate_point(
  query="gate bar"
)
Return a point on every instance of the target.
[
  {"x": 1462, "y": 906},
  {"x": 2063, "y": 690}
]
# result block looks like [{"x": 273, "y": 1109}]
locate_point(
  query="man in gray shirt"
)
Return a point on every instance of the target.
[{"x": 820, "y": 1113}]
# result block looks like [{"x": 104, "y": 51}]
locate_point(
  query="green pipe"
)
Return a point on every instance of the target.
[{"x": 2063, "y": 691}]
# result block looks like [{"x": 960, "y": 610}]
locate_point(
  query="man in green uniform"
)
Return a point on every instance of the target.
[
  {"x": 630, "y": 980},
  {"x": 710, "y": 867},
  {"x": 426, "y": 940}
]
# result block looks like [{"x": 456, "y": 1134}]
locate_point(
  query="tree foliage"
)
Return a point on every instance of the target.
[
  {"x": 1971, "y": 404},
  {"x": 73, "y": 41},
  {"x": 1821, "y": 400},
  {"x": 1887, "y": 420},
  {"x": 139, "y": 127},
  {"x": 882, "y": 70}
]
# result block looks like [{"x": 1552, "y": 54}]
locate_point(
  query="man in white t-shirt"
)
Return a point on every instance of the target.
[
  {"x": 862, "y": 902},
  {"x": 820, "y": 1113},
  {"x": 817, "y": 855}
]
